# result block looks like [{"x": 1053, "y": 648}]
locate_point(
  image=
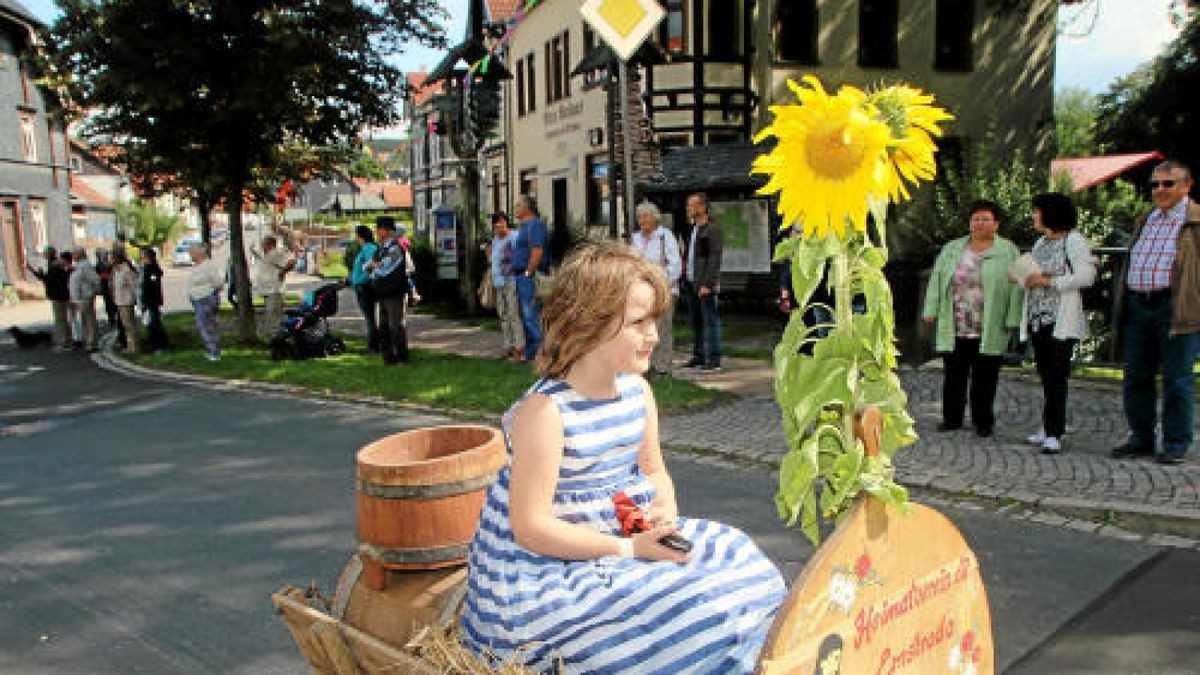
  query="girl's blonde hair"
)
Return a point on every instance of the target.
[{"x": 586, "y": 307}]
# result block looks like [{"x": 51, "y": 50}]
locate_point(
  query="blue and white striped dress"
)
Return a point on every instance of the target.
[{"x": 613, "y": 615}]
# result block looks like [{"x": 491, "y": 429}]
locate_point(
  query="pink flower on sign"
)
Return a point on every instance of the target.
[{"x": 863, "y": 566}]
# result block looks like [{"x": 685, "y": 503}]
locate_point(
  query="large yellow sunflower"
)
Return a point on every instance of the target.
[
  {"x": 830, "y": 158},
  {"x": 912, "y": 122}
]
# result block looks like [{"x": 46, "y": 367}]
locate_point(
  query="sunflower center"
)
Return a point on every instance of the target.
[{"x": 832, "y": 152}]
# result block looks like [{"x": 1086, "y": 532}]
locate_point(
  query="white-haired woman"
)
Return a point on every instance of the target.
[
  {"x": 659, "y": 245},
  {"x": 204, "y": 290}
]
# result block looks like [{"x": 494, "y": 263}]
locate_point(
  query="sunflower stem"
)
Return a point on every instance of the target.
[{"x": 843, "y": 317}]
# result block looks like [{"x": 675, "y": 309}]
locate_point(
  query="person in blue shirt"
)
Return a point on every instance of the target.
[
  {"x": 504, "y": 286},
  {"x": 360, "y": 281},
  {"x": 528, "y": 258}
]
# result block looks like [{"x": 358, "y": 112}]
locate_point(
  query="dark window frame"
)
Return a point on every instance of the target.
[
  {"x": 724, "y": 44},
  {"x": 797, "y": 19},
  {"x": 520, "y": 72},
  {"x": 954, "y": 29},
  {"x": 878, "y": 34},
  {"x": 676, "y": 10}
]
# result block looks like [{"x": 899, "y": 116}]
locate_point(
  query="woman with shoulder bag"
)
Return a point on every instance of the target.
[{"x": 1054, "y": 320}]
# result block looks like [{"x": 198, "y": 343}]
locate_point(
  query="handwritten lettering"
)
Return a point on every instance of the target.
[
  {"x": 563, "y": 112},
  {"x": 873, "y": 617},
  {"x": 922, "y": 643}
]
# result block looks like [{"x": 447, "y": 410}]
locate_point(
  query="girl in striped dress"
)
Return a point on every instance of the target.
[{"x": 552, "y": 582}]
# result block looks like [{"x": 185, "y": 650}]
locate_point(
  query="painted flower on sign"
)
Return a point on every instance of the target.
[{"x": 843, "y": 589}]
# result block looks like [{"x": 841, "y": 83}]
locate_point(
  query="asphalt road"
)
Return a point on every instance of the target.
[{"x": 143, "y": 526}]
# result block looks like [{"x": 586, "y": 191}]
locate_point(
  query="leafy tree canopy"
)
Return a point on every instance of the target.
[
  {"x": 1152, "y": 109},
  {"x": 1074, "y": 123},
  {"x": 213, "y": 92}
]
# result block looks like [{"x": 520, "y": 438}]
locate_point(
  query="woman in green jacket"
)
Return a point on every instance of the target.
[{"x": 972, "y": 305}]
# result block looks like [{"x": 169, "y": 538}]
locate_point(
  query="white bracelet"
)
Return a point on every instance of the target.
[{"x": 625, "y": 548}]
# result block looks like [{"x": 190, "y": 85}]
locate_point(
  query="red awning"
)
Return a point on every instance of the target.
[{"x": 1086, "y": 172}]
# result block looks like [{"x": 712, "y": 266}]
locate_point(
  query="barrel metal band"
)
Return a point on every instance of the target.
[
  {"x": 424, "y": 491},
  {"x": 404, "y": 556}
]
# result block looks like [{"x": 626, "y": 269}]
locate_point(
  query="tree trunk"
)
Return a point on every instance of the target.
[
  {"x": 204, "y": 206},
  {"x": 247, "y": 333}
]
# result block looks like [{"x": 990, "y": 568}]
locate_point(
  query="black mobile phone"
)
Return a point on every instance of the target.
[{"x": 676, "y": 542}]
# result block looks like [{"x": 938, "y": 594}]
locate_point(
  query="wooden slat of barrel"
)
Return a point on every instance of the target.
[{"x": 419, "y": 496}]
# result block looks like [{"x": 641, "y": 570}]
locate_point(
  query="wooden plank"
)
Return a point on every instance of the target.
[{"x": 334, "y": 648}]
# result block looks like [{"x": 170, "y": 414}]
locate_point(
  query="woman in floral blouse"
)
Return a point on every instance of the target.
[
  {"x": 1054, "y": 319},
  {"x": 972, "y": 306}
]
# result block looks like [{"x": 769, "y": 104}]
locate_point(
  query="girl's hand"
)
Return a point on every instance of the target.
[
  {"x": 646, "y": 546},
  {"x": 661, "y": 514}
]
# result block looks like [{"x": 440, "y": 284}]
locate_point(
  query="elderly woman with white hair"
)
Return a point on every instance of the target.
[
  {"x": 204, "y": 290},
  {"x": 658, "y": 245}
]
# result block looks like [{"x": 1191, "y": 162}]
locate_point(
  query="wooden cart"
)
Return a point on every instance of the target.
[{"x": 887, "y": 592}]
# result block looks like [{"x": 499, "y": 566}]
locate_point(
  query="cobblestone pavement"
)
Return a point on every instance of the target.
[{"x": 1084, "y": 477}]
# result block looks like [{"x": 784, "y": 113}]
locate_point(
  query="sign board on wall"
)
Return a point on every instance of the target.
[
  {"x": 746, "y": 229},
  {"x": 445, "y": 242},
  {"x": 888, "y": 594}
]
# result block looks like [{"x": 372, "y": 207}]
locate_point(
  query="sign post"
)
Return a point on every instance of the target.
[{"x": 624, "y": 25}]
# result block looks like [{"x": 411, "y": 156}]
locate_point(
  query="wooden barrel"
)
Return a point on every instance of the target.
[
  {"x": 411, "y": 601},
  {"x": 419, "y": 496}
]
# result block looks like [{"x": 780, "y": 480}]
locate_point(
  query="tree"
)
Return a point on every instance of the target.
[
  {"x": 366, "y": 166},
  {"x": 145, "y": 225},
  {"x": 1074, "y": 123},
  {"x": 1149, "y": 109},
  {"x": 208, "y": 91}
]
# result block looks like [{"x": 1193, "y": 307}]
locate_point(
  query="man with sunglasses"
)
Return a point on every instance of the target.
[{"x": 1159, "y": 302}]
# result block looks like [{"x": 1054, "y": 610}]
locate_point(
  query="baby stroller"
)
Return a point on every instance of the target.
[{"x": 304, "y": 331}]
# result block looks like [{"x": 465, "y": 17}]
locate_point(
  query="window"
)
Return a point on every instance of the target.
[
  {"x": 955, "y": 21},
  {"x": 597, "y": 190},
  {"x": 671, "y": 33},
  {"x": 877, "y": 33},
  {"x": 530, "y": 89},
  {"x": 520, "y": 87},
  {"x": 558, "y": 79},
  {"x": 496, "y": 188},
  {"x": 589, "y": 39},
  {"x": 28, "y": 137},
  {"x": 527, "y": 182},
  {"x": 76, "y": 164},
  {"x": 724, "y": 29},
  {"x": 37, "y": 222},
  {"x": 796, "y": 31}
]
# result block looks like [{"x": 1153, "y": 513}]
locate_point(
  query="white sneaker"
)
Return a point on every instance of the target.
[
  {"x": 1051, "y": 446},
  {"x": 212, "y": 357},
  {"x": 1037, "y": 438}
]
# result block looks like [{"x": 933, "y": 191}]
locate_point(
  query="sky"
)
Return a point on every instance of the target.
[{"x": 1123, "y": 35}]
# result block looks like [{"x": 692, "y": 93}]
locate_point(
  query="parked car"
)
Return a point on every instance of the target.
[{"x": 180, "y": 256}]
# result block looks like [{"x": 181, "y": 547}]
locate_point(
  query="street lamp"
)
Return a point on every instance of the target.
[{"x": 468, "y": 110}]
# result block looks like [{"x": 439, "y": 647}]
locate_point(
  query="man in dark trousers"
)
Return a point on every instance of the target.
[
  {"x": 389, "y": 285},
  {"x": 702, "y": 283},
  {"x": 55, "y": 278},
  {"x": 1159, "y": 310}
]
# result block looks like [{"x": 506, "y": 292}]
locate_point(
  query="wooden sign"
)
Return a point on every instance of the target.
[{"x": 887, "y": 594}]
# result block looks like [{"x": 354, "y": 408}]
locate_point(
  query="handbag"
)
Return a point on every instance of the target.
[
  {"x": 487, "y": 292},
  {"x": 543, "y": 283}
]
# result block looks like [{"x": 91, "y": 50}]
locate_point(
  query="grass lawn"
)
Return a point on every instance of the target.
[{"x": 436, "y": 379}]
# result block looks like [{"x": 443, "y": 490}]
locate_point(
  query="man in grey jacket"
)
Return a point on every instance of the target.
[
  {"x": 702, "y": 283},
  {"x": 84, "y": 284}
]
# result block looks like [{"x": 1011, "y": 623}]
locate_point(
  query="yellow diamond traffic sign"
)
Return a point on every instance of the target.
[{"x": 623, "y": 24}]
